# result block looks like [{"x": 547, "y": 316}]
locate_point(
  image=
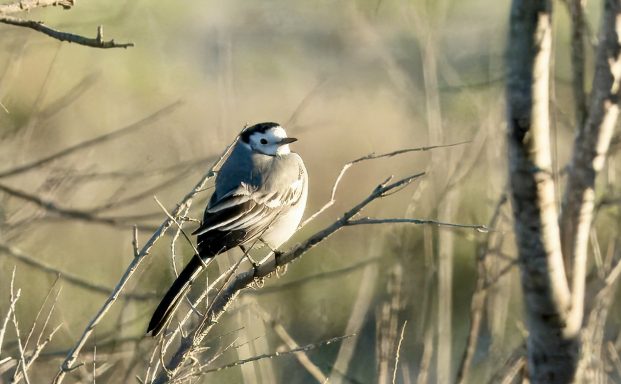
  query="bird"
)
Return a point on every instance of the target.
[{"x": 259, "y": 199}]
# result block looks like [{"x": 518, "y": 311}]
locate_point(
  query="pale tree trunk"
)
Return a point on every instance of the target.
[
  {"x": 551, "y": 351},
  {"x": 553, "y": 275},
  {"x": 588, "y": 157}
]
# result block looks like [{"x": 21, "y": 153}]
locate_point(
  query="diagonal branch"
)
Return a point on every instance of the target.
[
  {"x": 267, "y": 267},
  {"x": 589, "y": 153},
  {"x": 304, "y": 348},
  {"x": 371, "y": 156},
  {"x": 369, "y": 220},
  {"x": 27, "y": 5},
  {"x": 96, "y": 42},
  {"x": 92, "y": 142},
  {"x": 69, "y": 363},
  {"x": 76, "y": 280},
  {"x": 70, "y": 213}
]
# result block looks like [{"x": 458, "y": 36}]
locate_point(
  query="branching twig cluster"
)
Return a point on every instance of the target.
[
  {"x": 235, "y": 282},
  {"x": 30, "y": 348},
  {"x": 69, "y": 362},
  {"x": 23, "y": 6}
]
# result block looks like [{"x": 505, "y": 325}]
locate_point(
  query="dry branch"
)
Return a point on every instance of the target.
[
  {"x": 69, "y": 213},
  {"x": 244, "y": 279},
  {"x": 96, "y": 42},
  {"x": 369, "y": 220},
  {"x": 144, "y": 122},
  {"x": 397, "y": 356},
  {"x": 371, "y": 156},
  {"x": 78, "y": 281},
  {"x": 479, "y": 297},
  {"x": 304, "y": 348},
  {"x": 27, "y": 5},
  {"x": 302, "y": 357},
  {"x": 588, "y": 157},
  {"x": 316, "y": 278},
  {"x": 69, "y": 362},
  {"x": 20, "y": 346},
  {"x": 267, "y": 267}
]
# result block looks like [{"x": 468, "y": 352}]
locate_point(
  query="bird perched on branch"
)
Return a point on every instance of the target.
[{"x": 259, "y": 198}]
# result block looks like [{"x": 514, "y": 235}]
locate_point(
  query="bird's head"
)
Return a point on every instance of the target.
[{"x": 267, "y": 138}]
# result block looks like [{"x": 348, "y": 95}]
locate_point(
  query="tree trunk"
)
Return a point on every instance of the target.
[{"x": 552, "y": 351}]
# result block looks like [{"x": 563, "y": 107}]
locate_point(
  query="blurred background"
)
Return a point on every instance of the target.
[{"x": 116, "y": 127}]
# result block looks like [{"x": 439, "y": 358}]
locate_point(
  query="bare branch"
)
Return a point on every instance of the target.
[
  {"x": 72, "y": 279},
  {"x": 394, "y": 373},
  {"x": 27, "y": 5},
  {"x": 20, "y": 346},
  {"x": 72, "y": 356},
  {"x": 70, "y": 213},
  {"x": 12, "y": 302},
  {"x": 368, "y": 220},
  {"x": 477, "y": 303},
  {"x": 371, "y": 156},
  {"x": 302, "y": 357},
  {"x": 268, "y": 266},
  {"x": 92, "y": 142},
  {"x": 588, "y": 157},
  {"x": 511, "y": 368},
  {"x": 316, "y": 278},
  {"x": 96, "y": 42},
  {"x": 185, "y": 235},
  {"x": 304, "y": 348},
  {"x": 293, "y": 119},
  {"x": 54, "y": 107}
]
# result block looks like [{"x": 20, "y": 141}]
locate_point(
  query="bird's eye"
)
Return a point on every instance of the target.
[{"x": 263, "y": 141}]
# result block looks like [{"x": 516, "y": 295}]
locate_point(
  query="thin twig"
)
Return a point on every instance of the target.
[
  {"x": 177, "y": 224},
  {"x": 89, "y": 143},
  {"x": 479, "y": 297},
  {"x": 304, "y": 348},
  {"x": 268, "y": 266},
  {"x": 70, "y": 213},
  {"x": 13, "y": 301},
  {"x": 394, "y": 373},
  {"x": 316, "y": 278},
  {"x": 68, "y": 277},
  {"x": 371, "y": 156},
  {"x": 96, "y": 42},
  {"x": 368, "y": 220},
  {"x": 68, "y": 363},
  {"x": 49, "y": 314},
  {"x": 302, "y": 357},
  {"x": 20, "y": 347},
  {"x": 27, "y": 5},
  {"x": 135, "y": 241}
]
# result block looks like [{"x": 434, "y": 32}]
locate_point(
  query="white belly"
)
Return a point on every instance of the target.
[{"x": 287, "y": 223}]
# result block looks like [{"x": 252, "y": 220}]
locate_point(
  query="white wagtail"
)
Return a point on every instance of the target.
[{"x": 260, "y": 196}]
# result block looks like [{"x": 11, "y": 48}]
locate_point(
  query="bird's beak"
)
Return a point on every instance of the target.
[{"x": 287, "y": 140}]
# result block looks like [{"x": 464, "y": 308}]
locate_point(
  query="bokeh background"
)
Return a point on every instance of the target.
[{"x": 346, "y": 78}]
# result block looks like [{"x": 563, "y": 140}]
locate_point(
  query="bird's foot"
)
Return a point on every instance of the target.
[{"x": 255, "y": 265}]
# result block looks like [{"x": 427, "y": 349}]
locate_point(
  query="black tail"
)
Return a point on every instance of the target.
[{"x": 173, "y": 297}]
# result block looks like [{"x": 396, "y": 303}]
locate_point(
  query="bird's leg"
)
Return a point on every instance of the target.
[
  {"x": 190, "y": 219},
  {"x": 255, "y": 266},
  {"x": 276, "y": 252}
]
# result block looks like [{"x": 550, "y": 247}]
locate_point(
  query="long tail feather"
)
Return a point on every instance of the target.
[{"x": 175, "y": 294}]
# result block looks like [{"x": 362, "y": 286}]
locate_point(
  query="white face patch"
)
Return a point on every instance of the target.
[
  {"x": 269, "y": 142},
  {"x": 277, "y": 132}
]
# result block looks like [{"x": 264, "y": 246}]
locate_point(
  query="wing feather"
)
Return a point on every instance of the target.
[{"x": 249, "y": 210}]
